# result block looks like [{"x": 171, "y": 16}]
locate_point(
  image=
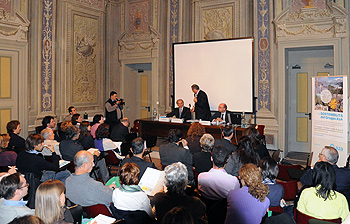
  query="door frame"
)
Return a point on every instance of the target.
[
  {"x": 24, "y": 97},
  {"x": 283, "y": 47},
  {"x": 154, "y": 76}
]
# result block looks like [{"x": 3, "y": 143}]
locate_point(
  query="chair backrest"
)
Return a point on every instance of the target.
[
  {"x": 111, "y": 159},
  {"x": 290, "y": 189},
  {"x": 135, "y": 127},
  {"x": 309, "y": 160},
  {"x": 94, "y": 210},
  {"x": 302, "y": 218},
  {"x": 276, "y": 155},
  {"x": 33, "y": 185},
  {"x": 151, "y": 141},
  {"x": 131, "y": 217},
  {"x": 77, "y": 212},
  {"x": 283, "y": 171}
]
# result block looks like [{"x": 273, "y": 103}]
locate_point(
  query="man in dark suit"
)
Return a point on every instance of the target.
[
  {"x": 181, "y": 111},
  {"x": 176, "y": 151},
  {"x": 121, "y": 130},
  {"x": 222, "y": 115},
  {"x": 227, "y": 133},
  {"x": 138, "y": 149},
  {"x": 201, "y": 106}
]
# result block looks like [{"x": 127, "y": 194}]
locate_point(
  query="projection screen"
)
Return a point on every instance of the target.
[{"x": 223, "y": 69}]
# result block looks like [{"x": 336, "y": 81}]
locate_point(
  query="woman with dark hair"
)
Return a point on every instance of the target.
[
  {"x": 243, "y": 155},
  {"x": 77, "y": 119},
  {"x": 194, "y": 133},
  {"x": 253, "y": 134},
  {"x": 129, "y": 196},
  {"x": 104, "y": 143},
  {"x": 176, "y": 179},
  {"x": 249, "y": 204},
  {"x": 322, "y": 201},
  {"x": 7, "y": 158},
  {"x": 269, "y": 171},
  {"x": 50, "y": 203},
  {"x": 97, "y": 120},
  {"x": 17, "y": 143},
  {"x": 85, "y": 137},
  {"x": 32, "y": 161}
]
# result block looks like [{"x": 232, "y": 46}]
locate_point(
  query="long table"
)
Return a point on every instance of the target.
[{"x": 148, "y": 127}]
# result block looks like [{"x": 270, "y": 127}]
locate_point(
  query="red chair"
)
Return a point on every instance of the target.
[
  {"x": 278, "y": 209},
  {"x": 290, "y": 185},
  {"x": 302, "y": 218},
  {"x": 135, "y": 127},
  {"x": 283, "y": 171},
  {"x": 94, "y": 210}
]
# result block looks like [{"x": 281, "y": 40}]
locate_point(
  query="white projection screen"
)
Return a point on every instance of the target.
[{"x": 223, "y": 69}]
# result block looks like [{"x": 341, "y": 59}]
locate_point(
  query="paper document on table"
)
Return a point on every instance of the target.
[
  {"x": 102, "y": 219},
  {"x": 152, "y": 181},
  {"x": 92, "y": 150}
]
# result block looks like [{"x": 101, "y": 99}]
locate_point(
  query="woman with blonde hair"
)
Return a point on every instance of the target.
[
  {"x": 50, "y": 203},
  {"x": 248, "y": 204},
  {"x": 194, "y": 133}
]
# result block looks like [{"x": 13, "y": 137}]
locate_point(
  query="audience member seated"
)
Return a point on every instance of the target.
[
  {"x": 104, "y": 143},
  {"x": 227, "y": 133},
  {"x": 176, "y": 151},
  {"x": 12, "y": 190},
  {"x": 49, "y": 122},
  {"x": 71, "y": 146},
  {"x": 269, "y": 173},
  {"x": 81, "y": 189},
  {"x": 32, "y": 161},
  {"x": 76, "y": 120},
  {"x": 71, "y": 111},
  {"x": 331, "y": 155},
  {"x": 215, "y": 184},
  {"x": 129, "y": 196},
  {"x": 258, "y": 145},
  {"x": 322, "y": 201},
  {"x": 50, "y": 203},
  {"x": 176, "y": 183},
  {"x": 17, "y": 143},
  {"x": 49, "y": 139},
  {"x": 7, "y": 158},
  {"x": 121, "y": 130},
  {"x": 138, "y": 149},
  {"x": 202, "y": 160},
  {"x": 85, "y": 138},
  {"x": 181, "y": 111},
  {"x": 243, "y": 155},
  {"x": 178, "y": 215},
  {"x": 63, "y": 128},
  {"x": 96, "y": 121},
  {"x": 194, "y": 133},
  {"x": 249, "y": 204}
]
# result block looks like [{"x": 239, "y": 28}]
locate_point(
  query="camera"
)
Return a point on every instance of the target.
[{"x": 121, "y": 102}]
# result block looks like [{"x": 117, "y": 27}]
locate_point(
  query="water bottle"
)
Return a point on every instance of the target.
[
  {"x": 155, "y": 114},
  {"x": 243, "y": 124},
  {"x": 86, "y": 116}
]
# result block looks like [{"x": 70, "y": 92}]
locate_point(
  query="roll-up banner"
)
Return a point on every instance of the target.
[{"x": 330, "y": 116}]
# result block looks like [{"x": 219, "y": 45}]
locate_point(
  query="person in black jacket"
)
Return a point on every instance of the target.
[
  {"x": 120, "y": 131},
  {"x": 114, "y": 109},
  {"x": 201, "y": 106},
  {"x": 181, "y": 111}
]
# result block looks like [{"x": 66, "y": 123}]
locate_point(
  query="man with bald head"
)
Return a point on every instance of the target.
[
  {"x": 181, "y": 111},
  {"x": 222, "y": 115},
  {"x": 331, "y": 155},
  {"x": 81, "y": 189}
]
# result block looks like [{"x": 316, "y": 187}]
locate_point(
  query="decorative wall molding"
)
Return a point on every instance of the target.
[
  {"x": 13, "y": 27},
  {"x": 312, "y": 23},
  {"x": 217, "y": 19},
  {"x": 94, "y": 3},
  {"x": 47, "y": 56}
]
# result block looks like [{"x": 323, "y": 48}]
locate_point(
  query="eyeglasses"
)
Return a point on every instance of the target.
[
  {"x": 27, "y": 185},
  {"x": 320, "y": 154}
]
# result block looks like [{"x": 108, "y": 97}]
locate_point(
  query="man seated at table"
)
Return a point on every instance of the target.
[
  {"x": 222, "y": 115},
  {"x": 181, "y": 111},
  {"x": 176, "y": 151},
  {"x": 227, "y": 133},
  {"x": 81, "y": 189},
  {"x": 138, "y": 149},
  {"x": 12, "y": 190}
]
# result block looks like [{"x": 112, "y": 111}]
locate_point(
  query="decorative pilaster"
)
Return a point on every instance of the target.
[
  {"x": 46, "y": 56},
  {"x": 174, "y": 35},
  {"x": 263, "y": 31}
]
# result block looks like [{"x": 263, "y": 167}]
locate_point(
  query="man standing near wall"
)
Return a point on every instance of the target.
[{"x": 113, "y": 110}]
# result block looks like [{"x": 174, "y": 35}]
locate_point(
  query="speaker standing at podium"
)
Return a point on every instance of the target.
[
  {"x": 180, "y": 112},
  {"x": 201, "y": 106}
]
